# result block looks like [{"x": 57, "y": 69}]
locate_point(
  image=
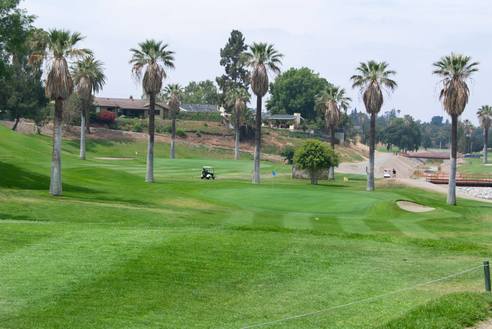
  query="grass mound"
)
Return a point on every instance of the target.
[{"x": 454, "y": 311}]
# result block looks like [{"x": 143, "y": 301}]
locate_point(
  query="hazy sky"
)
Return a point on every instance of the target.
[{"x": 331, "y": 37}]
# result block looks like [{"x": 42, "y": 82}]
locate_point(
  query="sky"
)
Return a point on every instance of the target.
[{"x": 329, "y": 36}]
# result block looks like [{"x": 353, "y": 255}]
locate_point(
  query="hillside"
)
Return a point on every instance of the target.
[{"x": 205, "y": 136}]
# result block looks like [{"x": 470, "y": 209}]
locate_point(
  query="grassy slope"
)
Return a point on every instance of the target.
[
  {"x": 476, "y": 166},
  {"x": 114, "y": 252}
]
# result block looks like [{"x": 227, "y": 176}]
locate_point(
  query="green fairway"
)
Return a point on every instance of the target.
[
  {"x": 476, "y": 166},
  {"x": 115, "y": 252}
]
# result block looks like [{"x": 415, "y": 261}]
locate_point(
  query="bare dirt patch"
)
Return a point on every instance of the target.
[
  {"x": 483, "y": 325},
  {"x": 413, "y": 207}
]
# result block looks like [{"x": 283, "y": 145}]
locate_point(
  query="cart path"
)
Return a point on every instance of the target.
[
  {"x": 404, "y": 167},
  {"x": 483, "y": 325}
]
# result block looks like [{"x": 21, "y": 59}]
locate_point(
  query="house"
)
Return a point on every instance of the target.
[
  {"x": 286, "y": 121},
  {"x": 129, "y": 107}
]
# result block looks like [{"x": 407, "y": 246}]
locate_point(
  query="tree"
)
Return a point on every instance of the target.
[
  {"x": 234, "y": 62},
  {"x": 237, "y": 99},
  {"x": 89, "y": 79},
  {"x": 294, "y": 91},
  {"x": 329, "y": 102},
  {"x": 202, "y": 92},
  {"x": 148, "y": 64},
  {"x": 484, "y": 114},
  {"x": 402, "y": 132},
  {"x": 261, "y": 58},
  {"x": 454, "y": 70},
  {"x": 371, "y": 78},
  {"x": 174, "y": 93},
  {"x": 60, "y": 47},
  {"x": 314, "y": 157}
]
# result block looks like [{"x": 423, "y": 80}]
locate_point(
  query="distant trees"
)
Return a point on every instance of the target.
[
  {"x": 174, "y": 93},
  {"x": 371, "y": 77},
  {"x": 295, "y": 90},
  {"x": 314, "y": 157},
  {"x": 484, "y": 114},
  {"x": 201, "y": 92},
  {"x": 261, "y": 59},
  {"x": 404, "y": 133},
  {"x": 454, "y": 71},
  {"x": 89, "y": 78},
  {"x": 149, "y": 62}
]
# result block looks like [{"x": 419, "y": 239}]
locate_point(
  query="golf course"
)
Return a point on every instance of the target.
[{"x": 116, "y": 252}]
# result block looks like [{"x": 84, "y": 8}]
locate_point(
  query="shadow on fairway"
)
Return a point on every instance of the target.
[{"x": 17, "y": 178}]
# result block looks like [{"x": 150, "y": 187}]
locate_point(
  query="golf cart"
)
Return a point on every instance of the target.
[{"x": 208, "y": 172}]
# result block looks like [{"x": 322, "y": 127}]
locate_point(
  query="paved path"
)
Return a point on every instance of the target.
[
  {"x": 484, "y": 325},
  {"x": 405, "y": 168}
]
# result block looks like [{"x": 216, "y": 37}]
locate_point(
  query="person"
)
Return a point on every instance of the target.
[{"x": 394, "y": 173}]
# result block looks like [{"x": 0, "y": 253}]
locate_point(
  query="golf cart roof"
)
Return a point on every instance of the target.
[{"x": 208, "y": 167}]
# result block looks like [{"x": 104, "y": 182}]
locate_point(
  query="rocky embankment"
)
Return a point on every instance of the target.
[{"x": 477, "y": 192}]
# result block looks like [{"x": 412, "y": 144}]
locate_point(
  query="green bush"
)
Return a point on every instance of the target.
[
  {"x": 181, "y": 133},
  {"x": 314, "y": 156}
]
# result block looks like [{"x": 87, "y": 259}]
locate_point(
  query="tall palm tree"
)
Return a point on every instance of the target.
[
  {"x": 484, "y": 114},
  {"x": 89, "y": 79},
  {"x": 148, "y": 64},
  {"x": 174, "y": 93},
  {"x": 371, "y": 78},
  {"x": 329, "y": 102},
  {"x": 454, "y": 71},
  {"x": 261, "y": 58},
  {"x": 237, "y": 98},
  {"x": 60, "y": 47}
]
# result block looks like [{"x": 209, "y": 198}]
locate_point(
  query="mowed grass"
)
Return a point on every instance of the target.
[
  {"x": 476, "y": 166},
  {"x": 115, "y": 252}
]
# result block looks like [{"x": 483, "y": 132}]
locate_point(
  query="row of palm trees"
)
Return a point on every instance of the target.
[{"x": 152, "y": 58}]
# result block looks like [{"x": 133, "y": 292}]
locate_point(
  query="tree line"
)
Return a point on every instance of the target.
[{"x": 25, "y": 50}]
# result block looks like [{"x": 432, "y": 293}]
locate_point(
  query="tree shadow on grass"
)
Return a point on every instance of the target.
[{"x": 14, "y": 177}]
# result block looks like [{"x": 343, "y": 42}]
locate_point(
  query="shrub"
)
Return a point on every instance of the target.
[
  {"x": 181, "y": 133},
  {"x": 313, "y": 156},
  {"x": 288, "y": 154},
  {"x": 106, "y": 117}
]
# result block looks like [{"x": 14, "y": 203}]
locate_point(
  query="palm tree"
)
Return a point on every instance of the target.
[
  {"x": 484, "y": 114},
  {"x": 60, "y": 47},
  {"x": 174, "y": 93},
  {"x": 261, "y": 58},
  {"x": 237, "y": 98},
  {"x": 148, "y": 64},
  {"x": 89, "y": 79},
  {"x": 455, "y": 70},
  {"x": 468, "y": 129},
  {"x": 329, "y": 102},
  {"x": 371, "y": 78}
]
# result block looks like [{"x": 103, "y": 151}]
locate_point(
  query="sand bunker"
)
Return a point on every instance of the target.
[
  {"x": 413, "y": 207},
  {"x": 111, "y": 158}
]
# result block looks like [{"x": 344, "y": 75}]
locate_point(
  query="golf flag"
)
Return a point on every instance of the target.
[{"x": 274, "y": 173}]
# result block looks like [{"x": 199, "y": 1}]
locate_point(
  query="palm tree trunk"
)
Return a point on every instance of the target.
[
  {"x": 452, "y": 165},
  {"x": 16, "y": 123},
  {"x": 331, "y": 170},
  {"x": 372, "y": 147},
  {"x": 82, "y": 135},
  {"x": 56, "y": 174},
  {"x": 485, "y": 141},
  {"x": 256, "y": 171},
  {"x": 236, "y": 142},
  {"x": 172, "y": 154},
  {"x": 149, "y": 177}
]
